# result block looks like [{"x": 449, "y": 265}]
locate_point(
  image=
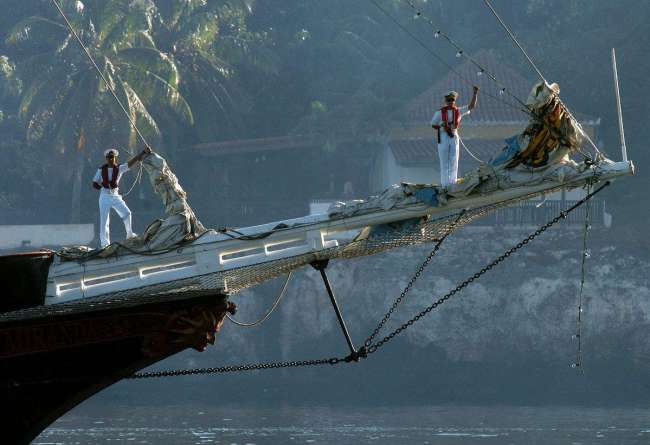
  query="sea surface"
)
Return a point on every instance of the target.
[{"x": 350, "y": 425}]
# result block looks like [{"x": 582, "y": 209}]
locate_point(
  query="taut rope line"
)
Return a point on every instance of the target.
[
  {"x": 451, "y": 68},
  {"x": 583, "y": 273},
  {"x": 101, "y": 74},
  {"x": 461, "y": 53},
  {"x": 539, "y": 73},
  {"x": 514, "y": 39}
]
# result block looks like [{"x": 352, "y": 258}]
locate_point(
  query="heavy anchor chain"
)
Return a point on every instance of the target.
[
  {"x": 563, "y": 214},
  {"x": 370, "y": 347}
]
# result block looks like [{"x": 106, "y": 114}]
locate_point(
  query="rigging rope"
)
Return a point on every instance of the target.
[
  {"x": 480, "y": 161},
  {"x": 137, "y": 180},
  {"x": 462, "y": 53},
  {"x": 101, "y": 74},
  {"x": 585, "y": 256},
  {"x": 364, "y": 351},
  {"x": 514, "y": 39},
  {"x": 450, "y": 67},
  {"x": 110, "y": 88},
  {"x": 539, "y": 73},
  {"x": 269, "y": 312}
]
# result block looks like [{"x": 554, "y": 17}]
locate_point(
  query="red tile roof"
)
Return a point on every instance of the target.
[{"x": 411, "y": 152}]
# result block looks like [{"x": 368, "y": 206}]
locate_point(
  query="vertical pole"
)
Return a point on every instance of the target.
[
  {"x": 320, "y": 266},
  {"x": 618, "y": 107}
]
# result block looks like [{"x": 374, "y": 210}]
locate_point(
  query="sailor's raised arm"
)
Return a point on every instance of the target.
[
  {"x": 474, "y": 101},
  {"x": 140, "y": 156}
]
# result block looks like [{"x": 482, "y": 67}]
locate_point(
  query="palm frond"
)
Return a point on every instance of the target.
[
  {"x": 38, "y": 29},
  {"x": 152, "y": 60},
  {"x": 153, "y": 89},
  {"x": 173, "y": 11},
  {"x": 42, "y": 89},
  {"x": 139, "y": 114},
  {"x": 128, "y": 25},
  {"x": 198, "y": 31},
  {"x": 108, "y": 17}
]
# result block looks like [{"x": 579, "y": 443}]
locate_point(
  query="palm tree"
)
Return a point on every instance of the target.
[
  {"x": 211, "y": 44},
  {"x": 67, "y": 107}
]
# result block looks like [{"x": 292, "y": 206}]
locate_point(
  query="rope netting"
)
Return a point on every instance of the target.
[{"x": 392, "y": 236}]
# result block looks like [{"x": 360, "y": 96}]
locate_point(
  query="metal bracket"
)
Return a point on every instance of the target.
[{"x": 320, "y": 266}]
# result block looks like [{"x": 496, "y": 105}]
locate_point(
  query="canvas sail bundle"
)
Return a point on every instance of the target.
[{"x": 551, "y": 135}]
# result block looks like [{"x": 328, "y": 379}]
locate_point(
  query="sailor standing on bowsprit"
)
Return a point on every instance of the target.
[
  {"x": 447, "y": 121},
  {"x": 106, "y": 180}
]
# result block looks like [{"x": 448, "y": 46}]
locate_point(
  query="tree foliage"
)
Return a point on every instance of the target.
[
  {"x": 193, "y": 71},
  {"x": 65, "y": 104}
]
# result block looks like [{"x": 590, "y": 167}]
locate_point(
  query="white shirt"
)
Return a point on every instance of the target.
[
  {"x": 437, "y": 117},
  {"x": 123, "y": 168}
]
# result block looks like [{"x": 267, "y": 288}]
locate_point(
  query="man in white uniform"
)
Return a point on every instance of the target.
[
  {"x": 447, "y": 121},
  {"x": 106, "y": 180}
]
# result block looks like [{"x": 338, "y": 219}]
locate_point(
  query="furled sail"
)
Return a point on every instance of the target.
[
  {"x": 180, "y": 224},
  {"x": 551, "y": 135}
]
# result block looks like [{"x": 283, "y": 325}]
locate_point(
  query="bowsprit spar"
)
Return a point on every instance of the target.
[{"x": 178, "y": 258}]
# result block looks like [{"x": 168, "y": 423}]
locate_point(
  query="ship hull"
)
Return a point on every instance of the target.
[{"x": 50, "y": 364}]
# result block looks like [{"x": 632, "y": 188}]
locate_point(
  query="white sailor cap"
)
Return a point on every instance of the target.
[
  {"x": 112, "y": 150},
  {"x": 451, "y": 93}
]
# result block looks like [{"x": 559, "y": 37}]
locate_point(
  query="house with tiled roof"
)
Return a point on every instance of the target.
[
  {"x": 410, "y": 153},
  {"x": 285, "y": 176}
]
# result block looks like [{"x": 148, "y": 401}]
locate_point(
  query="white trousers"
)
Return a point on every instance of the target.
[
  {"x": 448, "y": 152},
  {"x": 107, "y": 202}
]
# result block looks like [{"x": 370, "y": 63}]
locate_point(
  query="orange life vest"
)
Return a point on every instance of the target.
[{"x": 456, "y": 118}]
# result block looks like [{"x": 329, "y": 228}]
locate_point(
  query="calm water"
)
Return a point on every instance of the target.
[{"x": 341, "y": 426}]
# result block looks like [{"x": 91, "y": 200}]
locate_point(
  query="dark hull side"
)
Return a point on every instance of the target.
[{"x": 50, "y": 363}]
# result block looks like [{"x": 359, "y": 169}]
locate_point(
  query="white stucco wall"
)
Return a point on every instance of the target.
[{"x": 36, "y": 236}]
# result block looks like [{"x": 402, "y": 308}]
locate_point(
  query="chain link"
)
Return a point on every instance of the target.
[
  {"x": 410, "y": 284},
  {"x": 371, "y": 348},
  {"x": 583, "y": 274},
  {"x": 374, "y": 347},
  {"x": 238, "y": 368}
]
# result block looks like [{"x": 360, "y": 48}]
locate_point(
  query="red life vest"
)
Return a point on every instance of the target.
[
  {"x": 112, "y": 184},
  {"x": 445, "y": 120}
]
